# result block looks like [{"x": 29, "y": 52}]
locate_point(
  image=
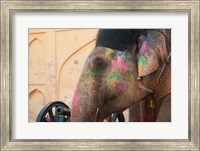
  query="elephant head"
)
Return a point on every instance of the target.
[
  {"x": 153, "y": 58},
  {"x": 154, "y": 70},
  {"x": 109, "y": 81}
]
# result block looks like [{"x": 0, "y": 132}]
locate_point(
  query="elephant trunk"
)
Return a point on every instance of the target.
[{"x": 84, "y": 103}]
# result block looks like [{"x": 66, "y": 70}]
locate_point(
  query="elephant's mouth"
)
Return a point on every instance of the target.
[
  {"x": 103, "y": 110},
  {"x": 99, "y": 116},
  {"x": 100, "y": 111}
]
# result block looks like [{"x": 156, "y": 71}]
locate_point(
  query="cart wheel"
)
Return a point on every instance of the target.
[
  {"x": 54, "y": 112},
  {"x": 117, "y": 116}
]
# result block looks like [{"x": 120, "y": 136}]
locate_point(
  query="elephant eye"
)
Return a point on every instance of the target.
[{"x": 100, "y": 65}]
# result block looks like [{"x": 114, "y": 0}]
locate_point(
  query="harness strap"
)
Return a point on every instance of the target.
[{"x": 163, "y": 68}]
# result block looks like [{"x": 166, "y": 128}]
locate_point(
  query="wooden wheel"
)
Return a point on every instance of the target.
[{"x": 54, "y": 112}]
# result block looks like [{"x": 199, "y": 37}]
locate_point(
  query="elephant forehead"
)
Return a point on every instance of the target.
[
  {"x": 102, "y": 51},
  {"x": 107, "y": 52},
  {"x": 119, "y": 60},
  {"x": 120, "y": 63}
]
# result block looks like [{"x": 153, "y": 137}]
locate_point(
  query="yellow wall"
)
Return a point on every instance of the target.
[{"x": 56, "y": 59}]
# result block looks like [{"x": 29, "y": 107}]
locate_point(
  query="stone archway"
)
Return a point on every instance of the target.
[{"x": 36, "y": 103}]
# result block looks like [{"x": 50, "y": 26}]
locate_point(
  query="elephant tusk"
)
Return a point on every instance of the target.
[
  {"x": 96, "y": 115},
  {"x": 145, "y": 88}
]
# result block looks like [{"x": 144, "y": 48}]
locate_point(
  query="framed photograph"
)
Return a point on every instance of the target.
[{"x": 46, "y": 45}]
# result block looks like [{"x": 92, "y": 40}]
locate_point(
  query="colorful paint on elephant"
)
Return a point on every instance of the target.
[
  {"x": 118, "y": 77},
  {"x": 123, "y": 82},
  {"x": 144, "y": 55},
  {"x": 141, "y": 63},
  {"x": 108, "y": 51},
  {"x": 115, "y": 76},
  {"x": 115, "y": 81},
  {"x": 119, "y": 63},
  {"x": 131, "y": 86},
  {"x": 76, "y": 102},
  {"x": 120, "y": 53},
  {"x": 120, "y": 67},
  {"x": 125, "y": 58},
  {"x": 145, "y": 48},
  {"x": 92, "y": 70},
  {"x": 148, "y": 37}
]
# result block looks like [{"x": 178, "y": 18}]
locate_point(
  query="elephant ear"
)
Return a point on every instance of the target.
[{"x": 152, "y": 51}]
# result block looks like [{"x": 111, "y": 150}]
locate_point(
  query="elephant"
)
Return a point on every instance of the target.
[
  {"x": 157, "y": 106},
  {"x": 125, "y": 67}
]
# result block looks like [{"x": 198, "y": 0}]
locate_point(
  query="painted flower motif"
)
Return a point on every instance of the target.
[
  {"x": 115, "y": 76},
  {"x": 145, "y": 48},
  {"x": 113, "y": 80},
  {"x": 119, "y": 85},
  {"x": 119, "y": 63},
  {"x": 116, "y": 81}
]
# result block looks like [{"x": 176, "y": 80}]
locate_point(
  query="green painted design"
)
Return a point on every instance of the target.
[
  {"x": 115, "y": 76},
  {"x": 92, "y": 70},
  {"x": 142, "y": 60},
  {"x": 125, "y": 58}
]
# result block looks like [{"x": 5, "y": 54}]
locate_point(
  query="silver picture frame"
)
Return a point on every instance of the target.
[{"x": 9, "y": 7}]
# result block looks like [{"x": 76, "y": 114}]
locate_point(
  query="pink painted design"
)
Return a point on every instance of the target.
[
  {"x": 122, "y": 86},
  {"x": 113, "y": 83},
  {"x": 75, "y": 101},
  {"x": 119, "y": 63},
  {"x": 144, "y": 48}
]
